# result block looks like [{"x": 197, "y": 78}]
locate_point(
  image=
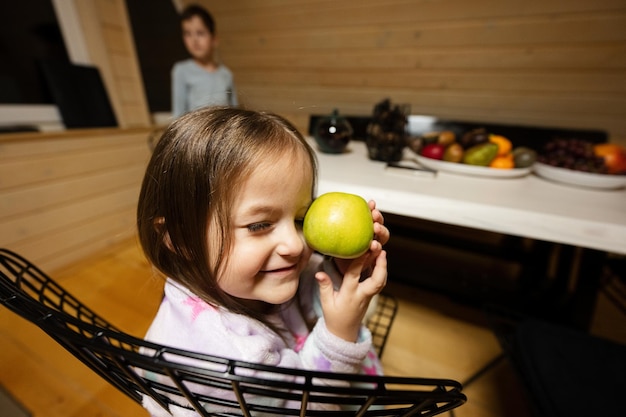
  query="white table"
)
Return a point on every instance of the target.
[
  {"x": 529, "y": 206},
  {"x": 588, "y": 222}
]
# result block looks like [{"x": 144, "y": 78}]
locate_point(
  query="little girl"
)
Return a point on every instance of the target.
[
  {"x": 220, "y": 214},
  {"x": 200, "y": 80}
]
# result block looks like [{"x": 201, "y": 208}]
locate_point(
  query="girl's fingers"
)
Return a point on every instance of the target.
[
  {"x": 381, "y": 233},
  {"x": 378, "y": 217},
  {"x": 376, "y": 214},
  {"x": 353, "y": 274},
  {"x": 326, "y": 287},
  {"x": 377, "y": 281},
  {"x": 352, "y": 280}
]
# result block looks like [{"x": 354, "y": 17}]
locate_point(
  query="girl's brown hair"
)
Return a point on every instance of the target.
[{"x": 197, "y": 166}]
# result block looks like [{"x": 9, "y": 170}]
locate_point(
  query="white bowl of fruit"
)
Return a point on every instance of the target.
[
  {"x": 476, "y": 152},
  {"x": 582, "y": 163}
]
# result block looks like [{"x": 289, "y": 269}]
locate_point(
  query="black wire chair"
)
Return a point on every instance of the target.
[
  {"x": 184, "y": 378},
  {"x": 379, "y": 323}
]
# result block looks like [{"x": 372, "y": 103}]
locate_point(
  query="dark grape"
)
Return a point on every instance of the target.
[{"x": 574, "y": 154}]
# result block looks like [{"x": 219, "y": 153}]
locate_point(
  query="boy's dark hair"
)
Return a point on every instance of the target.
[{"x": 197, "y": 10}]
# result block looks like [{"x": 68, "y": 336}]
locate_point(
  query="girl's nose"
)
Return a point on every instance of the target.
[{"x": 291, "y": 241}]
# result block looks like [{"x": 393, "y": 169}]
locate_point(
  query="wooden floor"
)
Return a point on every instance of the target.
[{"x": 431, "y": 337}]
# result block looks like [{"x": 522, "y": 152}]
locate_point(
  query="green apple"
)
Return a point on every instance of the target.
[{"x": 339, "y": 224}]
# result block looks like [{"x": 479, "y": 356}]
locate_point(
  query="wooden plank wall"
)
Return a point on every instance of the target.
[
  {"x": 108, "y": 35},
  {"x": 550, "y": 63},
  {"x": 64, "y": 196}
]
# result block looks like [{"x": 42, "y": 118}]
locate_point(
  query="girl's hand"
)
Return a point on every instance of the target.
[
  {"x": 363, "y": 278},
  {"x": 344, "y": 309}
]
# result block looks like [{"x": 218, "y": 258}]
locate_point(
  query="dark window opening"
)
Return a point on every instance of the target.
[
  {"x": 29, "y": 33},
  {"x": 159, "y": 44}
]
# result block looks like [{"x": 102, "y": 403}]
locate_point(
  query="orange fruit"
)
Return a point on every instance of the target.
[
  {"x": 504, "y": 145},
  {"x": 614, "y": 156},
  {"x": 503, "y": 162}
]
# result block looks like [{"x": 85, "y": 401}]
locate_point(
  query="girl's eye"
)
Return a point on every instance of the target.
[
  {"x": 257, "y": 227},
  {"x": 299, "y": 223}
]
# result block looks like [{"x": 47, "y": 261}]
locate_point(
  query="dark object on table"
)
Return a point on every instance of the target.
[
  {"x": 386, "y": 133},
  {"x": 359, "y": 125},
  {"x": 79, "y": 92},
  {"x": 333, "y": 133}
]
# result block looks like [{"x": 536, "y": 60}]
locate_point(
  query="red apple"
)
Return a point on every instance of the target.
[{"x": 433, "y": 151}]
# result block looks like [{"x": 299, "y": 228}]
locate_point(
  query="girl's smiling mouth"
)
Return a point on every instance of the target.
[{"x": 285, "y": 269}]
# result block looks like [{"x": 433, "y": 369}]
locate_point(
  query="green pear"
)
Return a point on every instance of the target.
[{"x": 339, "y": 225}]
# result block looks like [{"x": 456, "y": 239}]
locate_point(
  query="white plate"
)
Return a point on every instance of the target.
[
  {"x": 583, "y": 179},
  {"x": 478, "y": 171}
]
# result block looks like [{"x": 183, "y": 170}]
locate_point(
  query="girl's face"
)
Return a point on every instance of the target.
[
  {"x": 199, "y": 42},
  {"x": 269, "y": 251}
]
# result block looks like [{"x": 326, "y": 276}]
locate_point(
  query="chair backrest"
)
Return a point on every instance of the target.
[{"x": 178, "y": 378}]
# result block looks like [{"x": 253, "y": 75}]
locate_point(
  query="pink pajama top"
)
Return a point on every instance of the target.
[{"x": 186, "y": 322}]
